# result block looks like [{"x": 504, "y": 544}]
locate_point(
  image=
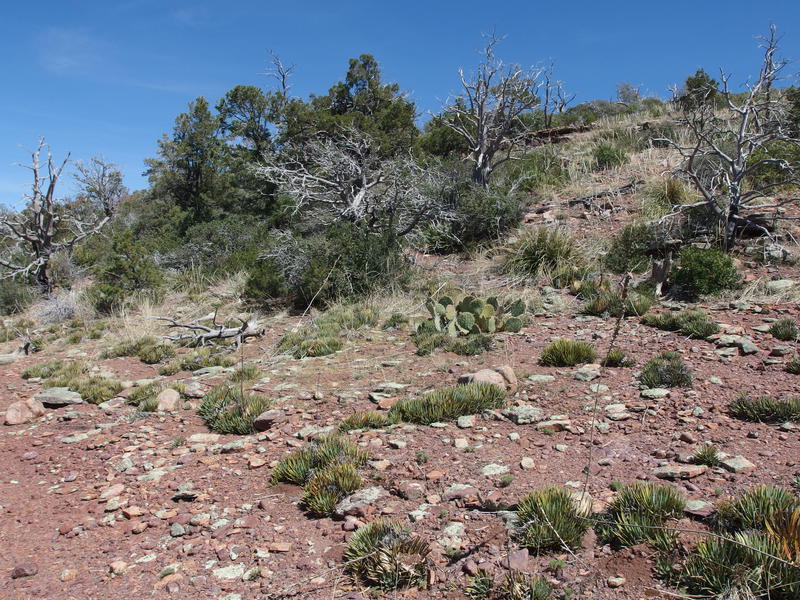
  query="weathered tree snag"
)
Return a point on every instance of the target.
[
  {"x": 588, "y": 201},
  {"x": 203, "y": 335}
]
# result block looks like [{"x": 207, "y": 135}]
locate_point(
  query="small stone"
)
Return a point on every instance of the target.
[
  {"x": 526, "y": 463},
  {"x": 516, "y": 561},
  {"x": 267, "y": 419},
  {"x": 112, "y": 491},
  {"x": 461, "y": 443},
  {"x": 466, "y": 422},
  {"x": 494, "y": 469},
  {"x": 524, "y": 414},
  {"x": 118, "y": 567},
  {"x": 280, "y": 547},
  {"x": 676, "y": 471},
  {"x": 24, "y": 570},
  {"x": 655, "y": 393},
  {"x": 168, "y": 400},
  {"x": 24, "y": 411},
  {"x": 56, "y": 397},
  {"x": 615, "y": 582},
  {"x": 699, "y": 508}
]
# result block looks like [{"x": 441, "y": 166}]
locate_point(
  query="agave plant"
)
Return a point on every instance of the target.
[
  {"x": 328, "y": 486},
  {"x": 385, "y": 554},
  {"x": 449, "y": 403},
  {"x": 567, "y": 353},
  {"x": 639, "y": 512},
  {"x": 550, "y": 519}
]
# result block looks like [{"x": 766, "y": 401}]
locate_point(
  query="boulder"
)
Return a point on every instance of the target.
[
  {"x": 503, "y": 376},
  {"x": 168, "y": 400},
  {"x": 24, "y": 411},
  {"x": 269, "y": 418},
  {"x": 56, "y": 397}
]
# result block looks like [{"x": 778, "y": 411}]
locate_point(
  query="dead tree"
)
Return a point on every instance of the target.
[
  {"x": 728, "y": 147},
  {"x": 197, "y": 334},
  {"x": 49, "y": 225},
  {"x": 489, "y": 112},
  {"x": 345, "y": 178}
]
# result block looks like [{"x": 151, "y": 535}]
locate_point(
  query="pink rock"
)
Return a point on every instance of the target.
[
  {"x": 24, "y": 411},
  {"x": 168, "y": 400},
  {"x": 502, "y": 376}
]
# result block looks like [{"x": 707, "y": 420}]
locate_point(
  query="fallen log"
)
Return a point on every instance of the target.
[
  {"x": 589, "y": 201},
  {"x": 203, "y": 335}
]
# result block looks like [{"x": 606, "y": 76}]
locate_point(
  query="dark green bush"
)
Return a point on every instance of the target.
[
  {"x": 265, "y": 282},
  {"x": 704, "y": 271}
]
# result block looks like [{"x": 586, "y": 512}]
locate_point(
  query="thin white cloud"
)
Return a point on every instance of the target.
[
  {"x": 191, "y": 15},
  {"x": 65, "y": 51}
]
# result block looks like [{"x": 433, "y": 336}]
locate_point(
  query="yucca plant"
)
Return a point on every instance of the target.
[
  {"x": 756, "y": 507},
  {"x": 567, "y": 353},
  {"x": 480, "y": 586},
  {"x": 328, "y": 486},
  {"x": 549, "y": 519},
  {"x": 639, "y": 513},
  {"x": 320, "y": 452},
  {"x": 784, "y": 527},
  {"x": 666, "y": 370},
  {"x": 95, "y": 390},
  {"x": 741, "y": 567},
  {"x": 229, "y": 409},
  {"x": 765, "y": 409},
  {"x": 784, "y": 330},
  {"x": 370, "y": 419},
  {"x": 706, "y": 454},
  {"x": 449, "y": 403},
  {"x": 386, "y": 555}
]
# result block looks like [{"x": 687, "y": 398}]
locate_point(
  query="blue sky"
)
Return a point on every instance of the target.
[{"x": 108, "y": 78}]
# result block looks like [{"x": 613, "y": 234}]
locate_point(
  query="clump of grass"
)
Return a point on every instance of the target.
[
  {"x": 662, "y": 196},
  {"x": 468, "y": 345},
  {"x": 228, "y": 409},
  {"x": 541, "y": 252},
  {"x": 567, "y": 353},
  {"x": 323, "y": 335},
  {"x": 480, "y": 586},
  {"x": 706, "y": 454},
  {"x": 784, "y": 330},
  {"x": 244, "y": 373},
  {"x": 607, "y": 155},
  {"x": 386, "y": 555},
  {"x": 72, "y": 375},
  {"x": 765, "y": 409},
  {"x": 328, "y": 486},
  {"x": 145, "y": 397},
  {"x": 638, "y": 514},
  {"x": 198, "y": 359},
  {"x": 370, "y": 419},
  {"x": 616, "y": 358},
  {"x": 692, "y": 324},
  {"x": 755, "y": 508},
  {"x": 449, "y": 403},
  {"x": 793, "y": 366},
  {"x": 666, "y": 370},
  {"x": 550, "y": 519},
  {"x": 51, "y": 368}
]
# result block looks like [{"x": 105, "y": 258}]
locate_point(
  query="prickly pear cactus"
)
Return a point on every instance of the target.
[{"x": 472, "y": 315}]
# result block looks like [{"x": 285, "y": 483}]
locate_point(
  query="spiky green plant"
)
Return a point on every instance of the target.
[
  {"x": 784, "y": 329},
  {"x": 470, "y": 345},
  {"x": 692, "y": 324},
  {"x": 449, "y": 403},
  {"x": 765, "y": 409},
  {"x": 756, "y": 507},
  {"x": 638, "y": 513},
  {"x": 328, "y": 486},
  {"x": 95, "y": 390},
  {"x": 156, "y": 353},
  {"x": 370, "y": 419},
  {"x": 198, "y": 359},
  {"x": 567, "y": 353},
  {"x": 45, "y": 370},
  {"x": 706, "y": 454},
  {"x": 298, "y": 466},
  {"x": 244, "y": 373},
  {"x": 229, "y": 409},
  {"x": 610, "y": 303},
  {"x": 741, "y": 566},
  {"x": 386, "y": 555},
  {"x": 541, "y": 252},
  {"x": 617, "y": 358},
  {"x": 666, "y": 370},
  {"x": 549, "y": 519},
  {"x": 395, "y": 321}
]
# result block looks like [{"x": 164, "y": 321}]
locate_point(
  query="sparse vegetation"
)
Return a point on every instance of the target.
[
  {"x": 666, "y": 370},
  {"x": 567, "y": 353},
  {"x": 370, "y": 419},
  {"x": 542, "y": 253},
  {"x": 147, "y": 349},
  {"x": 784, "y": 330},
  {"x": 639, "y": 512},
  {"x": 201, "y": 358},
  {"x": 707, "y": 454},
  {"x": 616, "y": 358}
]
